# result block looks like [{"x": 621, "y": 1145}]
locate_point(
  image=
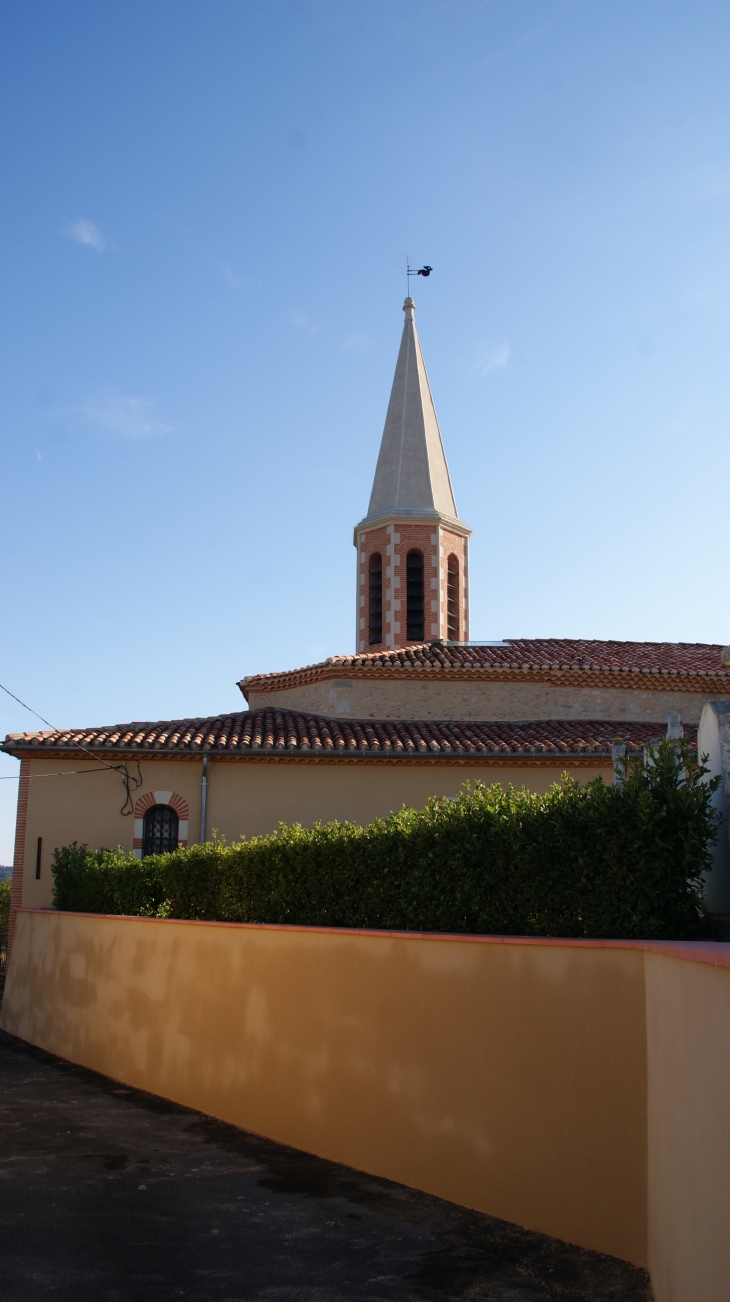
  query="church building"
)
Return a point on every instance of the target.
[{"x": 416, "y": 711}]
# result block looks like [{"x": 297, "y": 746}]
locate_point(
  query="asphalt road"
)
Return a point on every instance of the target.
[{"x": 113, "y": 1195}]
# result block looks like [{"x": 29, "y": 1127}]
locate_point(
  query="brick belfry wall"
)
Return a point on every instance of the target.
[
  {"x": 451, "y": 543},
  {"x": 393, "y": 541}
]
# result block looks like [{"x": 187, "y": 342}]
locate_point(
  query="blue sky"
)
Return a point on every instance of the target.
[{"x": 206, "y": 209}]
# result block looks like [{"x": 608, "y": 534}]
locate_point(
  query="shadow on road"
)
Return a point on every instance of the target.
[{"x": 108, "y": 1194}]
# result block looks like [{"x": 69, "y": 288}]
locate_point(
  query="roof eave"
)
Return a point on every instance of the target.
[
  {"x": 688, "y": 680},
  {"x": 429, "y": 515},
  {"x": 295, "y": 752}
]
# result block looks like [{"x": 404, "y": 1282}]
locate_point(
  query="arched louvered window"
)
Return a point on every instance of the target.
[
  {"x": 414, "y": 596},
  {"x": 452, "y": 599},
  {"x": 160, "y": 830},
  {"x": 375, "y": 599}
]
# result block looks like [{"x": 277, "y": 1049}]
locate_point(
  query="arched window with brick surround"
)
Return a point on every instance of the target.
[
  {"x": 452, "y": 599},
  {"x": 414, "y": 597},
  {"x": 160, "y": 822},
  {"x": 161, "y": 825},
  {"x": 375, "y": 599}
]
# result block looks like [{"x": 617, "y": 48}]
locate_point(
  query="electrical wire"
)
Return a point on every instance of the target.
[
  {"x": 127, "y": 777},
  {"x": 66, "y": 773}
]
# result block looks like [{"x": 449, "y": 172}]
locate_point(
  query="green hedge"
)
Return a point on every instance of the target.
[{"x": 590, "y": 860}]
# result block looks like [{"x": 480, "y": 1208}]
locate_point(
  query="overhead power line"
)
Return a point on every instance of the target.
[{"x": 129, "y": 780}]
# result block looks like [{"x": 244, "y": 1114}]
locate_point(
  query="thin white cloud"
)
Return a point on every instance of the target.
[
  {"x": 85, "y": 232},
  {"x": 302, "y": 322},
  {"x": 119, "y": 413},
  {"x": 493, "y": 359},
  {"x": 357, "y": 342},
  {"x": 233, "y": 278}
]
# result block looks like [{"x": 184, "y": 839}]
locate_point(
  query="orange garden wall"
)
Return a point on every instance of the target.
[
  {"x": 688, "y": 1109},
  {"x": 576, "y": 1088}
]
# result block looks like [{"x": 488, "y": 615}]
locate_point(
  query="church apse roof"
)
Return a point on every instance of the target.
[{"x": 690, "y": 665}]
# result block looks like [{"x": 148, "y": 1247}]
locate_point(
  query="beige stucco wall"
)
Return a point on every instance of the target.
[
  {"x": 86, "y": 807},
  {"x": 255, "y": 797},
  {"x": 688, "y": 1042},
  {"x": 510, "y": 1078},
  {"x": 419, "y": 695},
  {"x": 245, "y": 798}
]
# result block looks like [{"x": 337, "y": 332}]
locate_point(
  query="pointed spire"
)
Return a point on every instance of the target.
[
  {"x": 411, "y": 477},
  {"x": 412, "y": 548}
]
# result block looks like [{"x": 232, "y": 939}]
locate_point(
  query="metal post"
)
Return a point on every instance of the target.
[
  {"x": 674, "y": 726},
  {"x": 203, "y": 798},
  {"x": 619, "y": 760}
]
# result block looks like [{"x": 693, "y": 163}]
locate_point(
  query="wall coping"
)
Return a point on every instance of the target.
[{"x": 714, "y": 952}]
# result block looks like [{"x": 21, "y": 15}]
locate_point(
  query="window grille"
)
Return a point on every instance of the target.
[
  {"x": 452, "y": 599},
  {"x": 414, "y": 596},
  {"x": 375, "y": 607},
  {"x": 160, "y": 830}
]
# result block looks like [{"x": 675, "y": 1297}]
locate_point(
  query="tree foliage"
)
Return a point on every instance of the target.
[{"x": 5, "y": 887}]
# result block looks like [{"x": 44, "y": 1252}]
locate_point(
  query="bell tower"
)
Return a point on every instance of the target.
[{"x": 412, "y": 548}]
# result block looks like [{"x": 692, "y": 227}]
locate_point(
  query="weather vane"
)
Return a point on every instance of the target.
[{"x": 423, "y": 271}]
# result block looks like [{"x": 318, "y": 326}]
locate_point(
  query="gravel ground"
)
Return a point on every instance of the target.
[{"x": 113, "y": 1195}]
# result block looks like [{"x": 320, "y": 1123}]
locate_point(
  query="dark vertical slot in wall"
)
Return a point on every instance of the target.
[
  {"x": 375, "y": 599},
  {"x": 452, "y": 600},
  {"x": 414, "y": 597},
  {"x": 38, "y": 853}
]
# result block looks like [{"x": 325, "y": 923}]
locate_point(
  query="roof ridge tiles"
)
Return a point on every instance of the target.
[{"x": 557, "y": 655}]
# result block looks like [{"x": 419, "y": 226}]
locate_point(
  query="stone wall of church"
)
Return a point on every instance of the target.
[{"x": 420, "y": 695}]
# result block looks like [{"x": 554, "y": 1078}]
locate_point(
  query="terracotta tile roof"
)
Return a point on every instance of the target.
[
  {"x": 270, "y": 731},
  {"x": 576, "y": 660}
]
